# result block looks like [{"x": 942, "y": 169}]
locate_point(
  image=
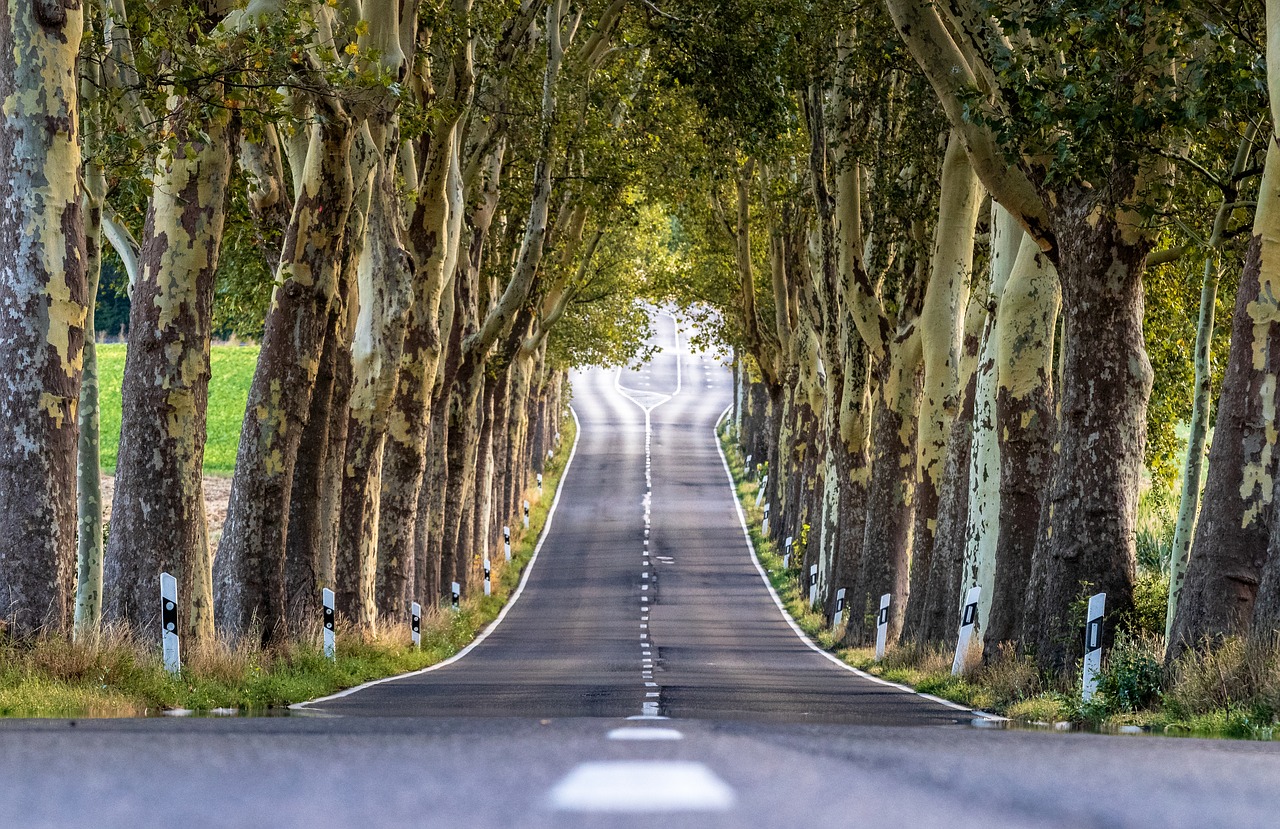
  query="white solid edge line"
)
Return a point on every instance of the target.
[
  {"x": 777, "y": 600},
  {"x": 484, "y": 634}
]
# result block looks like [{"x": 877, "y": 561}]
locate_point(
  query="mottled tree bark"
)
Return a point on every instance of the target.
[
  {"x": 1028, "y": 314},
  {"x": 886, "y": 548},
  {"x": 1087, "y": 543},
  {"x": 982, "y": 524},
  {"x": 938, "y": 619},
  {"x": 317, "y": 475},
  {"x": 385, "y": 281},
  {"x": 941, "y": 326},
  {"x": 249, "y": 569},
  {"x": 88, "y": 612},
  {"x": 158, "y": 512},
  {"x": 434, "y": 236},
  {"x": 42, "y": 313}
]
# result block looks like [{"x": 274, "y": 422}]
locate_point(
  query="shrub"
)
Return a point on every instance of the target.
[
  {"x": 1132, "y": 675},
  {"x": 1150, "y": 604}
]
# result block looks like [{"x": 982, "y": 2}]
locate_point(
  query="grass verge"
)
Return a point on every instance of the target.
[
  {"x": 122, "y": 675},
  {"x": 1229, "y": 690},
  {"x": 231, "y": 370}
]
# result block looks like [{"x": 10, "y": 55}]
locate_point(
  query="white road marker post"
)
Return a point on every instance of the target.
[
  {"x": 786, "y": 555},
  {"x": 330, "y": 646},
  {"x": 764, "y": 482},
  {"x": 415, "y": 624},
  {"x": 968, "y": 620},
  {"x": 751, "y": 473},
  {"x": 882, "y": 626},
  {"x": 813, "y": 584},
  {"x": 486, "y": 575},
  {"x": 1093, "y": 646},
  {"x": 526, "y": 515},
  {"x": 506, "y": 542},
  {"x": 764, "y": 525},
  {"x": 457, "y": 594},
  {"x": 539, "y": 483},
  {"x": 169, "y": 623},
  {"x": 835, "y": 620}
]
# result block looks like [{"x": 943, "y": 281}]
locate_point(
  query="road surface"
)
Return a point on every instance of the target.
[{"x": 630, "y": 684}]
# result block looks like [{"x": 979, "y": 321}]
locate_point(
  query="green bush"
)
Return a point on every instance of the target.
[
  {"x": 1150, "y": 605},
  {"x": 1132, "y": 674}
]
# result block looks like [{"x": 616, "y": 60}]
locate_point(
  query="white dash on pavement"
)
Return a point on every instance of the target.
[
  {"x": 642, "y": 786},
  {"x": 645, "y": 733}
]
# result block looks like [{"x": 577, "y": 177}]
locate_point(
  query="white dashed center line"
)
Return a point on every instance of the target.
[{"x": 634, "y": 786}]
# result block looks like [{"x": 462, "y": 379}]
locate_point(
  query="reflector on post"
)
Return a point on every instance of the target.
[{"x": 169, "y": 623}]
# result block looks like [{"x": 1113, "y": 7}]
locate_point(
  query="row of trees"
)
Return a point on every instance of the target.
[
  {"x": 944, "y": 221},
  {"x": 960, "y": 250},
  {"x": 425, "y": 212}
]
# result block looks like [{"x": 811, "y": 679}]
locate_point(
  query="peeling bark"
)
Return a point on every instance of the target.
[
  {"x": 42, "y": 315},
  {"x": 249, "y": 568},
  {"x": 941, "y": 326},
  {"x": 158, "y": 512},
  {"x": 1027, "y": 420}
]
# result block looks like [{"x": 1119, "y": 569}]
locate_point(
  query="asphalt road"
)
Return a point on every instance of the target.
[
  {"x": 645, "y": 597},
  {"x": 630, "y": 683}
]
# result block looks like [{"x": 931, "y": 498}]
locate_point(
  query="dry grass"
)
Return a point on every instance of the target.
[
  {"x": 1235, "y": 673},
  {"x": 120, "y": 673},
  {"x": 1009, "y": 677}
]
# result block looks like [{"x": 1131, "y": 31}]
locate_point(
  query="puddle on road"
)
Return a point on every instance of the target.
[
  {"x": 222, "y": 713},
  {"x": 1260, "y": 734}
]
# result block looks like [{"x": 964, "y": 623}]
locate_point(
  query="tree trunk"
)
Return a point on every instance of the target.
[
  {"x": 1197, "y": 436},
  {"x": 1028, "y": 316},
  {"x": 385, "y": 290},
  {"x": 88, "y": 612},
  {"x": 982, "y": 525},
  {"x": 158, "y": 513},
  {"x": 317, "y": 475},
  {"x": 1237, "y": 513},
  {"x": 1087, "y": 544},
  {"x": 434, "y": 234},
  {"x": 938, "y": 619},
  {"x": 249, "y": 568},
  {"x": 886, "y": 548},
  {"x": 428, "y": 544},
  {"x": 941, "y": 326},
  {"x": 42, "y": 313}
]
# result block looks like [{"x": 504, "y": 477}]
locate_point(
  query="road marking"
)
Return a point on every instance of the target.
[
  {"x": 636, "y": 786},
  {"x": 646, "y": 733},
  {"x": 484, "y": 634},
  {"x": 791, "y": 622}
]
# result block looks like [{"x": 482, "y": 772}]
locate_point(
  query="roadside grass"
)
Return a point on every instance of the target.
[
  {"x": 122, "y": 674},
  {"x": 1229, "y": 689},
  {"x": 231, "y": 371}
]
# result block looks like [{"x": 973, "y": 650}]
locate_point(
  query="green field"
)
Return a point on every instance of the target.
[{"x": 232, "y": 371}]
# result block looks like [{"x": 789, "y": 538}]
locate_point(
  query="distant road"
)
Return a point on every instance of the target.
[
  {"x": 624, "y": 689},
  {"x": 616, "y": 621}
]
